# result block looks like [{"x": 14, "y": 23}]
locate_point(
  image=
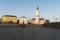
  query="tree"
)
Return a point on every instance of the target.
[
  {"x": 18, "y": 21},
  {"x": 47, "y": 21}
]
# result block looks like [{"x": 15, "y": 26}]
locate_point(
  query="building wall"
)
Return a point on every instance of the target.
[
  {"x": 9, "y": 18},
  {"x": 23, "y": 21},
  {"x": 37, "y": 20},
  {"x": 40, "y": 22},
  {"x": 32, "y": 21},
  {"x": 0, "y": 20}
]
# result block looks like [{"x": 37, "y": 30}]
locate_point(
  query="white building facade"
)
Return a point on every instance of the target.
[{"x": 23, "y": 20}]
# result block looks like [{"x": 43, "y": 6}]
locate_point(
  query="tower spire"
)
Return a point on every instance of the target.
[
  {"x": 37, "y": 12},
  {"x": 37, "y": 15},
  {"x": 37, "y": 8}
]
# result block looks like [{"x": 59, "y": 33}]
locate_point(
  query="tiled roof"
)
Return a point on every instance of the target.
[
  {"x": 10, "y": 15},
  {"x": 39, "y": 18},
  {"x": 33, "y": 18},
  {"x": 23, "y": 17}
]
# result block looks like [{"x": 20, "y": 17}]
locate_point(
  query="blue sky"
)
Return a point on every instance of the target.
[{"x": 49, "y": 9}]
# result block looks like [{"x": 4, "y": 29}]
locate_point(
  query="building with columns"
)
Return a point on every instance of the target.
[
  {"x": 38, "y": 19},
  {"x": 23, "y": 20}
]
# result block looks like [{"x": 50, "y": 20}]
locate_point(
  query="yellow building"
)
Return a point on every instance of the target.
[{"x": 9, "y": 19}]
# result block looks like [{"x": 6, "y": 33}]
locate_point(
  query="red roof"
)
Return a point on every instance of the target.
[
  {"x": 33, "y": 18},
  {"x": 39, "y": 18}
]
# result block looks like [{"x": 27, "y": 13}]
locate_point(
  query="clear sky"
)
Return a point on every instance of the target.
[{"x": 49, "y": 9}]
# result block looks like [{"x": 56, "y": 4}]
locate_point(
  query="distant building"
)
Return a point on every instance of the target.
[
  {"x": 37, "y": 19},
  {"x": 29, "y": 21},
  {"x": 0, "y": 20},
  {"x": 23, "y": 20},
  {"x": 9, "y": 19},
  {"x": 41, "y": 21}
]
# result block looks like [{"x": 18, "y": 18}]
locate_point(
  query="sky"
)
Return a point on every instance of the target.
[{"x": 49, "y": 9}]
